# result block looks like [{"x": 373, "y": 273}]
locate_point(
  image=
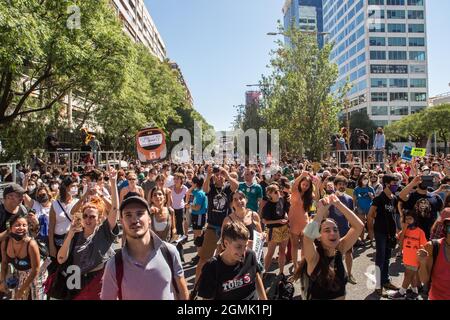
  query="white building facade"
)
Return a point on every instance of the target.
[
  {"x": 139, "y": 25},
  {"x": 381, "y": 49}
]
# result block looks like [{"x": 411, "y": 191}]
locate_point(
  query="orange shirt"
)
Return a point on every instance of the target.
[{"x": 414, "y": 238}]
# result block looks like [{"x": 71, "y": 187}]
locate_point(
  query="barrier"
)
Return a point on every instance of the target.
[{"x": 372, "y": 158}]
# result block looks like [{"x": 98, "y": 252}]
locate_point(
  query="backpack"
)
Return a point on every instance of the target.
[
  {"x": 281, "y": 289},
  {"x": 118, "y": 260}
]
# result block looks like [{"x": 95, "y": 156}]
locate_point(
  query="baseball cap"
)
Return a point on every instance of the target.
[
  {"x": 13, "y": 188},
  {"x": 133, "y": 199}
]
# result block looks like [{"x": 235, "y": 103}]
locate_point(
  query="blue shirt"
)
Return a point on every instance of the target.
[
  {"x": 363, "y": 200},
  {"x": 200, "y": 199},
  {"x": 339, "y": 217},
  {"x": 379, "y": 141}
]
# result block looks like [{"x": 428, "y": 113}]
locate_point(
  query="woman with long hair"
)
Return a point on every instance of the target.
[
  {"x": 89, "y": 243},
  {"x": 302, "y": 199},
  {"x": 60, "y": 218},
  {"x": 22, "y": 252},
  {"x": 162, "y": 216},
  {"x": 323, "y": 252},
  {"x": 132, "y": 186}
]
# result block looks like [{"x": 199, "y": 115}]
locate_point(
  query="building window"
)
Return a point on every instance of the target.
[
  {"x": 378, "y": 83},
  {"x": 399, "y": 96},
  {"x": 415, "y": 2},
  {"x": 417, "y": 68},
  {"x": 396, "y": 28},
  {"x": 376, "y": 14},
  {"x": 379, "y": 96},
  {"x": 415, "y": 14},
  {"x": 377, "y": 55},
  {"x": 377, "y": 41},
  {"x": 397, "y": 42},
  {"x": 417, "y": 55},
  {"x": 398, "y": 83},
  {"x": 377, "y": 27},
  {"x": 416, "y": 28},
  {"x": 396, "y": 14},
  {"x": 379, "y": 111},
  {"x": 397, "y": 55},
  {"x": 417, "y": 42},
  {"x": 418, "y": 97},
  {"x": 380, "y": 123},
  {"x": 399, "y": 111},
  {"x": 418, "y": 83}
]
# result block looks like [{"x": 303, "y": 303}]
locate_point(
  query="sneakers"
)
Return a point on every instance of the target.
[
  {"x": 397, "y": 296},
  {"x": 359, "y": 244},
  {"x": 352, "y": 280},
  {"x": 410, "y": 295},
  {"x": 390, "y": 286}
]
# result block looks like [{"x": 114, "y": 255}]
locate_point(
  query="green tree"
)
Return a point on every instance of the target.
[
  {"x": 437, "y": 120},
  {"x": 42, "y": 56},
  {"x": 298, "y": 94},
  {"x": 360, "y": 120},
  {"x": 413, "y": 126}
]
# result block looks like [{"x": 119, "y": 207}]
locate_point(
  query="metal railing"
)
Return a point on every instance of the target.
[
  {"x": 372, "y": 158},
  {"x": 75, "y": 159}
]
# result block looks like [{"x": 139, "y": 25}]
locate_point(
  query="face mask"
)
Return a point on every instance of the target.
[
  {"x": 447, "y": 229},
  {"x": 55, "y": 187},
  {"x": 268, "y": 176},
  {"x": 329, "y": 192},
  {"x": 365, "y": 182},
  {"x": 423, "y": 187},
  {"x": 73, "y": 191},
  {"x": 394, "y": 188},
  {"x": 92, "y": 184},
  {"x": 412, "y": 225},
  {"x": 42, "y": 198},
  {"x": 31, "y": 189},
  {"x": 17, "y": 237}
]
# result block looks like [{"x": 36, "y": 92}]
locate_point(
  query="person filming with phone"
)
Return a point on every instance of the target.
[{"x": 427, "y": 205}]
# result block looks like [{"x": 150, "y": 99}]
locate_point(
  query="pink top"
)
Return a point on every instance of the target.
[
  {"x": 440, "y": 278},
  {"x": 298, "y": 218}
]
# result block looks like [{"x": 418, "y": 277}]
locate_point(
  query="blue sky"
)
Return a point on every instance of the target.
[{"x": 221, "y": 46}]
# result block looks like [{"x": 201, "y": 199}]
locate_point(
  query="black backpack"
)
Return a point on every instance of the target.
[{"x": 281, "y": 289}]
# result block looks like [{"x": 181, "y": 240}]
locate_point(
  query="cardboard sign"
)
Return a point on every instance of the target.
[
  {"x": 316, "y": 166},
  {"x": 418, "y": 152},
  {"x": 258, "y": 244},
  {"x": 406, "y": 153}
]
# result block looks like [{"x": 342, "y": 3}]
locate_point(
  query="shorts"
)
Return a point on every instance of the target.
[
  {"x": 361, "y": 212},
  {"x": 279, "y": 234},
  {"x": 198, "y": 221},
  {"x": 209, "y": 243},
  {"x": 412, "y": 268}
]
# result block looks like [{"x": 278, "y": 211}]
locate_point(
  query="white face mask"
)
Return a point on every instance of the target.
[
  {"x": 31, "y": 188},
  {"x": 55, "y": 187},
  {"x": 73, "y": 191}
]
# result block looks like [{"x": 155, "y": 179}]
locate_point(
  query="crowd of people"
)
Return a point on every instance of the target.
[{"x": 120, "y": 234}]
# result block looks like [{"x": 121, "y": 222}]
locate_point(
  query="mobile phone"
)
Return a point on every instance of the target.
[{"x": 216, "y": 169}]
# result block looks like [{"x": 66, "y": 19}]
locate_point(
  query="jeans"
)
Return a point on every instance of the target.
[
  {"x": 179, "y": 218},
  {"x": 379, "y": 157},
  {"x": 382, "y": 257}
]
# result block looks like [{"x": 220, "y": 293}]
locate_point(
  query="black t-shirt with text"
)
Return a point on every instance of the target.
[
  {"x": 219, "y": 281},
  {"x": 386, "y": 207},
  {"x": 219, "y": 203},
  {"x": 427, "y": 207}
]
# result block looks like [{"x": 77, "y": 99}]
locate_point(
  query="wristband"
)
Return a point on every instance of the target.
[{"x": 312, "y": 230}]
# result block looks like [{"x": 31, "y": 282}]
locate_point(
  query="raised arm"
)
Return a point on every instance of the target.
[
  {"x": 114, "y": 213},
  {"x": 207, "y": 182},
  {"x": 234, "y": 184},
  {"x": 404, "y": 195}
]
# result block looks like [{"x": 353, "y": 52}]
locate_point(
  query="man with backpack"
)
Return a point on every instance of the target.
[
  {"x": 434, "y": 267},
  {"x": 146, "y": 268}
]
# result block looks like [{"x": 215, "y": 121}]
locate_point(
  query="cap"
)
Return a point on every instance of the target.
[
  {"x": 136, "y": 200},
  {"x": 425, "y": 168},
  {"x": 13, "y": 188}
]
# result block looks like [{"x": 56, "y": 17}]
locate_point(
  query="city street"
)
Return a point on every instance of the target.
[{"x": 363, "y": 258}]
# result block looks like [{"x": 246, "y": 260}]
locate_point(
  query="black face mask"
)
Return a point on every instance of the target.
[
  {"x": 17, "y": 237},
  {"x": 42, "y": 198},
  {"x": 423, "y": 187}
]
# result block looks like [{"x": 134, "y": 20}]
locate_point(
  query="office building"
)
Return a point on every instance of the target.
[
  {"x": 139, "y": 25},
  {"x": 381, "y": 49},
  {"x": 305, "y": 15}
]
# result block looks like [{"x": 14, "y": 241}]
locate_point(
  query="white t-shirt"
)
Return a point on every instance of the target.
[
  {"x": 40, "y": 209},
  {"x": 62, "y": 223},
  {"x": 169, "y": 182}
]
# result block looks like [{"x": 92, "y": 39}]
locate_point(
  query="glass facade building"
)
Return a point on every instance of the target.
[
  {"x": 381, "y": 49},
  {"x": 306, "y": 15}
]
